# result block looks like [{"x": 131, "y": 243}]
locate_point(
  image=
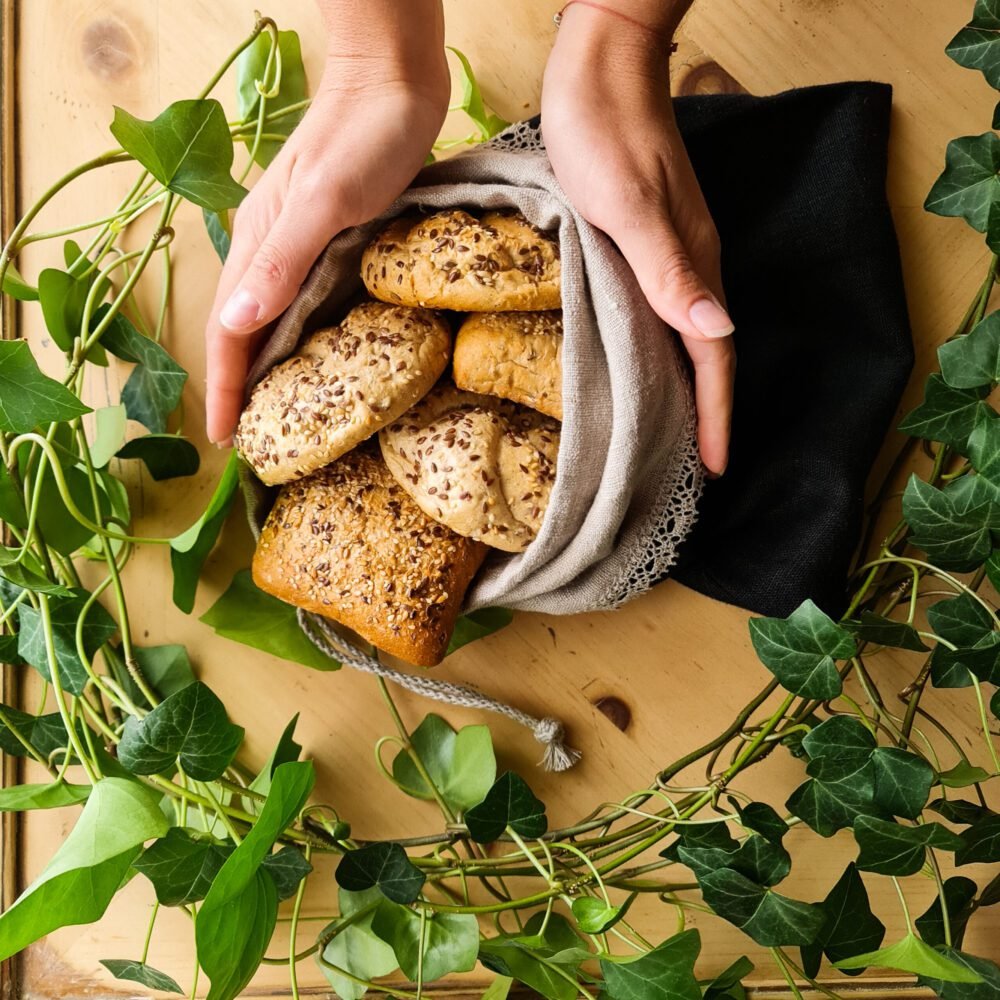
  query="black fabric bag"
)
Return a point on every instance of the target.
[{"x": 796, "y": 185}]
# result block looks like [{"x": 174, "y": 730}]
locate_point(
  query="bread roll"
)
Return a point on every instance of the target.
[
  {"x": 451, "y": 260},
  {"x": 339, "y": 387},
  {"x": 348, "y": 543},
  {"x": 481, "y": 465},
  {"x": 514, "y": 355}
]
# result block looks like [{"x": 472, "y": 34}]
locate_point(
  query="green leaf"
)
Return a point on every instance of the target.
[
  {"x": 962, "y": 775},
  {"x": 902, "y": 781},
  {"x": 383, "y": 865},
  {"x": 461, "y": 765},
  {"x": 509, "y": 803},
  {"x": 962, "y": 621},
  {"x": 447, "y": 942},
  {"x": 109, "y": 434},
  {"x": 952, "y": 539},
  {"x": 838, "y": 747},
  {"x": 886, "y": 632},
  {"x": 285, "y": 752},
  {"x": 181, "y": 866},
  {"x": 20, "y": 798},
  {"x": 16, "y": 287},
  {"x": 46, "y": 733},
  {"x": 595, "y": 916},
  {"x": 251, "y": 68},
  {"x": 665, "y": 973},
  {"x": 477, "y": 625},
  {"x": 849, "y": 925},
  {"x": 969, "y": 185},
  {"x": 990, "y": 896},
  {"x": 167, "y": 456},
  {"x": 980, "y": 842},
  {"x": 98, "y": 628},
  {"x": 219, "y": 232},
  {"x": 973, "y": 360},
  {"x": 166, "y": 669},
  {"x": 246, "y": 614},
  {"x": 187, "y": 148},
  {"x": 356, "y": 948},
  {"x": 984, "y": 451},
  {"x": 959, "y": 811},
  {"x": 912, "y": 955},
  {"x": 890, "y": 849},
  {"x": 154, "y": 387},
  {"x": 760, "y": 860},
  {"x": 762, "y": 819},
  {"x": 977, "y": 45},
  {"x": 190, "y": 549},
  {"x": 288, "y": 867},
  {"x": 237, "y": 919},
  {"x": 770, "y": 919},
  {"x": 28, "y": 398},
  {"x": 728, "y": 985},
  {"x": 12, "y": 510},
  {"x": 60, "y": 529},
  {"x": 946, "y": 414},
  {"x": 800, "y": 650},
  {"x": 79, "y": 882},
  {"x": 25, "y": 572},
  {"x": 139, "y": 972},
  {"x": 63, "y": 298},
  {"x": 498, "y": 989},
  {"x": 959, "y": 892},
  {"x": 190, "y": 727},
  {"x": 987, "y": 971},
  {"x": 472, "y": 102}
]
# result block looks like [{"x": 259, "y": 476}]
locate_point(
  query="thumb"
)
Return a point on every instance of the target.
[
  {"x": 670, "y": 281},
  {"x": 278, "y": 267}
]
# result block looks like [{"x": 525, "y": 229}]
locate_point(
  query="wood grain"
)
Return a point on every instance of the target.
[{"x": 673, "y": 664}]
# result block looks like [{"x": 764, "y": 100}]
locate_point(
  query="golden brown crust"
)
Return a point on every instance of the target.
[
  {"x": 349, "y": 544},
  {"x": 339, "y": 387},
  {"x": 514, "y": 355},
  {"x": 451, "y": 260},
  {"x": 479, "y": 464}
]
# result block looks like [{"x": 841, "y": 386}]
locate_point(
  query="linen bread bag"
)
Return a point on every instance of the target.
[{"x": 628, "y": 474}]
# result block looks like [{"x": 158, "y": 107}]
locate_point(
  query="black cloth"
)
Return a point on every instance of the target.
[{"x": 796, "y": 185}]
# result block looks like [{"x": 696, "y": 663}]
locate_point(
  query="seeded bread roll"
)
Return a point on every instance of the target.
[
  {"x": 348, "y": 543},
  {"x": 481, "y": 465},
  {"x": 339, "y": 387},
  {"x": 514, "y": 355},
  {"x": 451, "y": 260}
]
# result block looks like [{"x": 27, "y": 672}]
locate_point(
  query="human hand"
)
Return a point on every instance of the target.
[
  {"x": 613, "y": 142},
  {"x": 369, "y": 129}
]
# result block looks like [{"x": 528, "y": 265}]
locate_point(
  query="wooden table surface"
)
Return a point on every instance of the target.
[{"x": 680, "y": 663}]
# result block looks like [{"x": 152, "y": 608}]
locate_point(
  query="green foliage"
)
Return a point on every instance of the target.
[
  {"x": 977, "y": 45},
  {"x": 980, "y": 842},
  {"x": 891, "y": 849},
  {"x": 887, "y": 632},
  {"x": 181, "y": 866},
  {"x": 510, "y": 803},
  {"x": 16, "y": 287},
  {"x": 431, "y": 946},
  {"x": 914, "y": 956},
  {"x": 959, "y": 893},
  {"x": 947, "y": 414},
  {"x": 988, "y": 987},
  {"x": 356, "y": 948},
  {"x": 20, "y": 798},
  {"x": 167, "y": 456},
  {"x": 973, "y": 361},
  {"x": 969, "y": 186},
  {"x": 139, "y": 972},
  {"x": 665, "y": 973},
  {"x": 487, "y": 123},
  {"x": 383, "y": 866},
  {"x": 27, "y": 397},
  {"x": 477, "y": 625}
]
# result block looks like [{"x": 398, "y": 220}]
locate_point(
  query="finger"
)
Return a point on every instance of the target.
[{"x": 714, "y": 364}]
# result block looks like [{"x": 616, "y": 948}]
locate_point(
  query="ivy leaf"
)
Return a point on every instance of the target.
[
  {"x": 477, "y": 625},
  {"x": 509, "y": 803},
  {"x": 84, "y": 874},
  {"x": 221, "y": 235},
  {"x": 946, "y": 414},
  {"x": 20, "y": 798},
  {"x": 28, "y": 398},
  {"x": 762, "y": 819},
  {"x": 952, "y": 539},
  {"x": 962, "y": 775},
  {"x": 890, "y": 849},
  {"x": 190, "y": 727},
  {"x": 962, "y": 620},
  {"x": 181, "y": 867},
  {"x": 969, "y": 184},
  {"x": 665, "y": 973},
  {"x": 287, "y": 867},
  {"x": 250, "y": 68},
  {"x": 98, "y": 628},
  {"x": 167, "y": 456},
  {"x": 46, "y": 733},
  {"x": 800, "y": 650},
  {"x": 63, "y": 297},
  {"x": 356, "y": 948},
  {"x": 472, "y": 102},
  {"x": 154, "y": 388},
  {"x": 973, "y": 361},
  {"x": 987, "y": 971},
  {"x": 990, "y": 896},
  {"x": 441, "y": 944},
  {"x": 246, "y": 614},
  {"x": 977, "y": 45},
  {"x": 109, "y": 434},
  {"x": 166, "y": 669},
  {"x": 595, "y": 916},
  {"x": 886, "y": 632},
  {"x": 461, "y": 765},
  {"x": 187, "y": 148},
  {"x": 728, "y": 985},
  {"x": 16, "y": 287},
  {"x": 838, "y": 747},
  {"x": 497, "y": 990},
  {"x": 902, "y": 781},
  {"x": 912, "y": 955},
  {"x": 758, "y": 859},
  {"x": 237, "y": 919},
  {"x": 849, "y": 925},
  {"x": 980, "y": 842},
  {"x": 770, "y": 919},
  {"x": 286, "y": 751},
  {"x": 984, "y": 449},
  {"x": 190, "y": 549},
  {"x": 383, "y": 865},
  {"x": 25, "y": 572},
  {"x": 139, "y": 972},
  {"x": 959, "y": 892},
  {"x": 12, "y": 509},
  {"x": 959, "y": 810}
]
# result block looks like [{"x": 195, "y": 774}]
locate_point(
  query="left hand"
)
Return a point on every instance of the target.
[{"x": 613, "y": 142}]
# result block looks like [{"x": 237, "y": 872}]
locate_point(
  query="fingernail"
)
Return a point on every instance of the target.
[
  {"x": 240, "y": 311},
  {"x": 710, "y": 319},
  {"x": 226, "y": 443}
]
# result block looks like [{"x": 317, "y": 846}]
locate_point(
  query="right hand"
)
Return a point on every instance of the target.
[{"x": 360, "y": 144}]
